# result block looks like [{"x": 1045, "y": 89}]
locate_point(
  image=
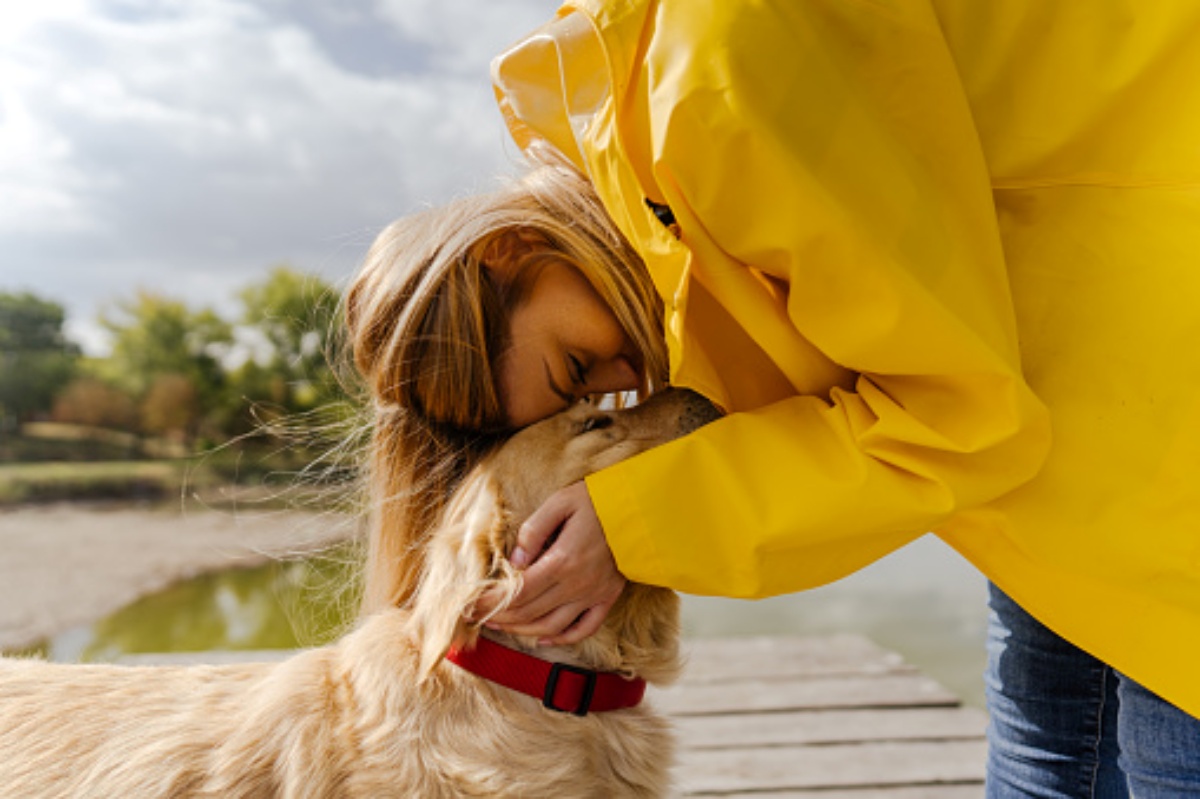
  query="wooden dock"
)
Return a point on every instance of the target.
[{"x": 832, "y": 717}]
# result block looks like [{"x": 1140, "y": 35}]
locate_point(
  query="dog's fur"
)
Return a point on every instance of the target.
[{"x": 380, "y": 713}]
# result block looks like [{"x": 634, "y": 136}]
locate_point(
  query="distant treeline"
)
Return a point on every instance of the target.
[{"x": 186, "y": 376}]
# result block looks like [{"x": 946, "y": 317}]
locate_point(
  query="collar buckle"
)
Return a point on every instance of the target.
[{"x": 585, "y": 699}]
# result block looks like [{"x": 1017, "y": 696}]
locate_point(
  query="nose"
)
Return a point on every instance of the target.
[
  {"x": 682, "y": 409},
  {"x": 611, "y": 376},
  {"x": 697, "y": 411}
]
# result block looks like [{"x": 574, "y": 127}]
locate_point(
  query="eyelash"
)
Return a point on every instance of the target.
[{"x": 576, "y": 371}]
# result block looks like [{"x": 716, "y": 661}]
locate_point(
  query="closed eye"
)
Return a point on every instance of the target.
[{"x": 576, "y": 370}]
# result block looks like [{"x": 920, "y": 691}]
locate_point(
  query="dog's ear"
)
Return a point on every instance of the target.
[{"x": 467, "y": 556}]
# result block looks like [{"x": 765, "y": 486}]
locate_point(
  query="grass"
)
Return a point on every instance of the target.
[
  {"x": 55, "y": 482},
  {"x": 263, "y": 477},
  {"x": 49, "y": 462},
  {"x": 45, "y": 442}
]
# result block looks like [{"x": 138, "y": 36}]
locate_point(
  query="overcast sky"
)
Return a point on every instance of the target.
[{"x": 186, "y": 146}]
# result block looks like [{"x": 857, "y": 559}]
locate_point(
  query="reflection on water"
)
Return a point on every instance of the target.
[
  {"x": 923, "y": 602},
  {"x": 279, "y": 606}
]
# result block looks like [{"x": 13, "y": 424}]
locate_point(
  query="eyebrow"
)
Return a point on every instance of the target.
[{"x": 567, "y": 397}]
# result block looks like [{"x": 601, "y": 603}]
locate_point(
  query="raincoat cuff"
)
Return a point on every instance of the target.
[{"x": 625, "y": 527}]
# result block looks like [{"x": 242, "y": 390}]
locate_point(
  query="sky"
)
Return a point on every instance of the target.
[{"x": 185, "y": 147}]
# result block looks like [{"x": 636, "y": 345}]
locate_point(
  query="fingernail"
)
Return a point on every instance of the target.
[
  {"x": 545, "y": 642},
  {"x": 491, "y": 625},
  {"x": 520, "y": 558}
]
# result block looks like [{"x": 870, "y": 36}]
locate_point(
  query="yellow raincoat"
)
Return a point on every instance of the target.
[{"x": 940, "y": 260}]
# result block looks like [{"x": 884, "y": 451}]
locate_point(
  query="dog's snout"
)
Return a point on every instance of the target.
[
  {"x": 697, "y": 412},
  {"x": 680, "y": 410}
]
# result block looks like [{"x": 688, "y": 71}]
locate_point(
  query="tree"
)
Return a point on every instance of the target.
[
  {"x": 297, "y": 317},
  {"x": 170, "y": 407},
  {"x": 91, "y": 402},
  {"x": 154, "y": 337},
  {"x": 36, "y": 360}
]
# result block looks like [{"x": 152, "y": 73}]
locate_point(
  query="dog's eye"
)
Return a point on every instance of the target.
[{"x": 594, "y": 423}]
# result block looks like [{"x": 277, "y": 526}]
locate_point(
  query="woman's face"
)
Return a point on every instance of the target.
[{"x": 566, "y": 344}]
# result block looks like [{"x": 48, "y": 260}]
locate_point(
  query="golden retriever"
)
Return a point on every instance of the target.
[{"x": 381, "y": 713}]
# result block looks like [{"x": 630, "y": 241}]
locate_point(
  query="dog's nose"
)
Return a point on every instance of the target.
[{"x": 697, "y": 411}]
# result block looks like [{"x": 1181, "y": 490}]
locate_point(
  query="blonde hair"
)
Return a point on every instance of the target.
[{"x": 427, "y": 324}]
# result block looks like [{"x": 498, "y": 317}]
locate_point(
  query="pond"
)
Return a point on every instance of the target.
[
  {"x": 283, "y": 605},
  {"x": 923, "y": 602}
]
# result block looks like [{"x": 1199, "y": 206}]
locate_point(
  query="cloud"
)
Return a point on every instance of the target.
[{"x": 186, "y": 148}]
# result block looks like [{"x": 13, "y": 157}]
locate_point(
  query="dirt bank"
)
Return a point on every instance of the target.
[{"x": 66, "y": 565}]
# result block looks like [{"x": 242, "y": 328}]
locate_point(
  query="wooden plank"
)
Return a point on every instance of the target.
[
  {"x": 828, "y": 726},
  {"x": 867, "y": 765},
  {"x": 716, "y": 659},
  {"x": 971, "y": 790},
  {"x": 889, "y": 690}
]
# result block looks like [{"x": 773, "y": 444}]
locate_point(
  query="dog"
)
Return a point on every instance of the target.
[{"x": 390, "y": 710}]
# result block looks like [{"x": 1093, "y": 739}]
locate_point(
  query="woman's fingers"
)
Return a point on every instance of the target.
[
  {"x": 569, "y": 585},
  {"x": 533, "y": 601},
  {"x": 542, "y": 524},
  {"x": 548, "y": 626},
  {"x": 584, "y": 626}
]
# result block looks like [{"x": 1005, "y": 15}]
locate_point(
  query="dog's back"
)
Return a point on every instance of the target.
[{"x": 117, "y": 731}]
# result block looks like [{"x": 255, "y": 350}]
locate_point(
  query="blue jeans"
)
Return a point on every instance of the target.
[{"x": 1067, "y": 726}]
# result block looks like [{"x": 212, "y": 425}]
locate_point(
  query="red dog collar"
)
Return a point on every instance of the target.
[{"x": 561, "y": 687}]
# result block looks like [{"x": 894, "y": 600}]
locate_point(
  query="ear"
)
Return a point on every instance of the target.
[
  {"x": 466, "y": 557},
  {"x": 503, "y": 255}
]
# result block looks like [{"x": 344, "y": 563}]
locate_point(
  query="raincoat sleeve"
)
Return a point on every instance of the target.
[{"x": 824, "y": 149}]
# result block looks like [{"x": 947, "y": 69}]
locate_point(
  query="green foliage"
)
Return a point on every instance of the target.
[
  {"x": 36, "y": 360},
  {"x": 297, "y": 318},
  {"x": 155, "y": 336},
  {"x": 178, "y": 379}
]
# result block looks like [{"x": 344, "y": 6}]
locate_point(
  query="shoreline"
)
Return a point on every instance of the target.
[{"x": 70, "y": 564}]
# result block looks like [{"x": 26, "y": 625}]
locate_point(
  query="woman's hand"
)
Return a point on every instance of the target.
[{"x": 571, "y": 585}]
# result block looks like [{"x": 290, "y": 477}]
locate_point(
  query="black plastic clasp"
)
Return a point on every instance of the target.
[{"x": 589, "y": 688}]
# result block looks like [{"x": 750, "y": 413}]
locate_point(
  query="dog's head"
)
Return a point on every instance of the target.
[{"x": 468, "y": 554}]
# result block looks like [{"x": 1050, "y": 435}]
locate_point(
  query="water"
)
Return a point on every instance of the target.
[
  {"x": 283, "y": 605},
  {"x": 923, "y": 602}
]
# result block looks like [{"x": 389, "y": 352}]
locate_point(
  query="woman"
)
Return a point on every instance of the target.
[
  {"x": 895, "y": 241},
  {"x": 438, "y": 312}
]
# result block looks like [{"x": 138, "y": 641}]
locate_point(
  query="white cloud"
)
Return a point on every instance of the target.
[
  {"x": 456, "y": 32},
  {"x": 188, "y": 147}
]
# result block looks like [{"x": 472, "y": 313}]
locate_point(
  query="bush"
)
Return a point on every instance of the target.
[
  {"x": 39, "y": 442},
  {"x": 93, "y": 403}
]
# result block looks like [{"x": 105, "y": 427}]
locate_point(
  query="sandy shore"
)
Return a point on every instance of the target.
[{"x": 66, "y": 565}]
